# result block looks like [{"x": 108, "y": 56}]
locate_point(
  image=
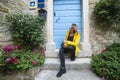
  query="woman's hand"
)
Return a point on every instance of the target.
[{"x": 65, "y": 41}]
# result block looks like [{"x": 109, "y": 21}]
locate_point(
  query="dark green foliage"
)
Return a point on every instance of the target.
[
  {"x": 107, "y": 12},
  {"x": 27, "y": 31},
  {"x": 107, "y": 64}
]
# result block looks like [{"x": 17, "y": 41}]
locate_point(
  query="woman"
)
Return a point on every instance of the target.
[{"x": 70, "y": 44}]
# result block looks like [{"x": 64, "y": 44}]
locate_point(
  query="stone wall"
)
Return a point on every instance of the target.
[
  {"x": 13, "y": 7},
  {"x": 10, "y": 7},
  {"x": 100, "y": 38}
]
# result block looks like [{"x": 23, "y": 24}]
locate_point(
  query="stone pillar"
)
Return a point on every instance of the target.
[
  {"x": 86, "y": 47},
  {"x": 50, "y": 46}
]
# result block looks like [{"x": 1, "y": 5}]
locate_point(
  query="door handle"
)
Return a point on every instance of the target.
[
  {"x": 57, "y": 19},
  {"x": 54, "y": 14}
]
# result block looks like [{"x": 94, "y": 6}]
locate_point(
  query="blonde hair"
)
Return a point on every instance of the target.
[{"x": 74, "y": 26}]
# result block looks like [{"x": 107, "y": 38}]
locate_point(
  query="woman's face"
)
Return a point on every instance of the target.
[{"x": 72, "y": 29}]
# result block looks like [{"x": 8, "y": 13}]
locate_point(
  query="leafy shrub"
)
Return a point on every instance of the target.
[
  {"x": 15, "y": 59},
  {"x": 27, "y": 30},
  {"x": 107, "y": 12},
  {"x": 107, "y": 64}
]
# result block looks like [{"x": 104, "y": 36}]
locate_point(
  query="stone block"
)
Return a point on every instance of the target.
[
  {"x": 29, "y": 75},
  {"x": 78, "y": 64},
  {"x": 1, "y": 16},
  {"x": 55, "y": 54},
  {"x": 3, "y": 9},
  {"x": 6, "y": 43},
  {"x": 5, "y": 34}
]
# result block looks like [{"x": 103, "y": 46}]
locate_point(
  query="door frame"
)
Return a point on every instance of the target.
[{"x": 50, "y": 45}]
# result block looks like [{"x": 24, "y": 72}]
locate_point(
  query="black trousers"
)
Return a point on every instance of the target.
[{"x": 63, "y": 51}]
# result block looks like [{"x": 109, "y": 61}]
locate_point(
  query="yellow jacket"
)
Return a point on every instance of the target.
[{"x": 75, "y": 41}]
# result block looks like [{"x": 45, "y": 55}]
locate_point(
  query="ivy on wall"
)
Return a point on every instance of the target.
[
  {"x": 107, "y": 12},
  {"x": 107, "y": 64}
]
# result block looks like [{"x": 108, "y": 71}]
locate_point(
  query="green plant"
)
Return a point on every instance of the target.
[
  {"x": 107, "y": 64},
  {"x": 107, "y": 12},
  {"x": 27, "y": 30},
  {"x": 14, "y": 59}
]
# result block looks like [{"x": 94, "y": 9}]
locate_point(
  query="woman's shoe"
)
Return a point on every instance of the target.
[
  {"x": 73, "y": 58},
  {"x": 61, "y": 72}
]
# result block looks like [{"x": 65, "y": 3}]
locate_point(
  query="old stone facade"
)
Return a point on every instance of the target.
[
  {"x": 13, "y": 7},
  {"x": 100, "y": 38},
  {"x": 10, "y": 7}
]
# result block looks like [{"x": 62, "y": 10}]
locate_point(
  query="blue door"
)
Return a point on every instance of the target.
[{"x": 66, "y": 12}]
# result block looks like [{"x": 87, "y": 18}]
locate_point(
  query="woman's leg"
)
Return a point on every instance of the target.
[
  {"x": 62, "y": 62},
  {"x": 62, "y": 52},
  {"x": 72, "y": 51},
  {"x": 62, "y": 58}
]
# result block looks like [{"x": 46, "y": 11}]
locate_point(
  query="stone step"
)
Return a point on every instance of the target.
[
  {"x": 55, "y": 54},
  {"x": 69, "y": 75},
  {"x": 78, "y": 64}
]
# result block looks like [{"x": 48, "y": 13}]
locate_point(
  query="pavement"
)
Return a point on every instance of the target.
[{"x": 69, "y": 75}]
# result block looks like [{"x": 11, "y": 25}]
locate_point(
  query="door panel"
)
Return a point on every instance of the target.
[
  {"x": 65, "y": 26},
  {"x": 67, "y": 7},
  {"x": 66, "y": 12},
  {"x": 62, "y": 2}
]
